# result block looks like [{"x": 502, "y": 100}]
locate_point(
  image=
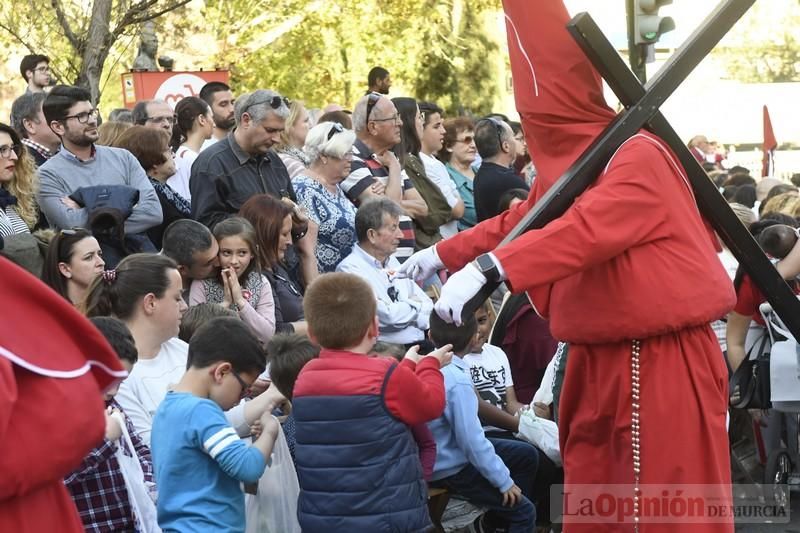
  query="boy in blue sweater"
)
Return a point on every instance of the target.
[
  {"x": 198, "y": 457},
  {"x": 466, "y": 462}
]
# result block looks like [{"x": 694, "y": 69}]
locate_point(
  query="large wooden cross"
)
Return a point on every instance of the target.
[{"x": 642, "y": 105}]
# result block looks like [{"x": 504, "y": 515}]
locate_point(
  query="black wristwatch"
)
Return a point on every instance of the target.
[{"x": 488, "y": 268}]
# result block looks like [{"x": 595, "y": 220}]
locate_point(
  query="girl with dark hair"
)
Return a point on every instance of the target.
[
  {"x": 272, "y": 220},
  {"x": 150, "y": 146},
  {"x": 18, "y": 185},
  {"x": 426, "y": 227},
  {"x": 745, "y": 195},
  {"x": 74, "y": 259},
  {"x": 145, "y": 293},
  {"x": 194, "y": 124},
  {"x": 241, "y": 286}
]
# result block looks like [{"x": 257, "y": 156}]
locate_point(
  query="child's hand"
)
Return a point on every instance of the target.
[
  {"x": 512, "y": 496},
  {"x": 413, "y": 354},
  {"x": 227, "y": 299},
  {"x": 542, "y": 410},
  {"x": 275, "y": 396},
  {"x": 269, "y": 425},
  {"x": 255, "y": 429},
  {"x": 258, "y": 386},
  {"x": 113, "y": 429},
  {"x": 236, "y": 290},
  {"x": 444, "y": 355}
]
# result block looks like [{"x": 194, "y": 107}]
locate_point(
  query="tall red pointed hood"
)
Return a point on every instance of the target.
[
  {"x": 564, "y": 110},
  {"x": 41, "y": 332}
]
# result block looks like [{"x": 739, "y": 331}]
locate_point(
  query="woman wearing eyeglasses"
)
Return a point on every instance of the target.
[
  {"x": 18, "y": 185},
  {"x": 290, "y": 149},
  {"x": 459, "y": 153},
  {"x": 332, "y": 216}
]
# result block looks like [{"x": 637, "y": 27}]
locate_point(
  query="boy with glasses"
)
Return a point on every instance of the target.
[
  {"x": 35, "y": 70},
  {"x": 198, "y": 457}
]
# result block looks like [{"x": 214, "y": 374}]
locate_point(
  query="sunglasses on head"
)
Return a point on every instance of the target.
[
  {"x": 371, "y": 101},
  {"x": 73, "y": 231},
  {"x": 336, "y": 128},
  {"x": 274, "y": 102},
  {"x": 498, "y": 127}
]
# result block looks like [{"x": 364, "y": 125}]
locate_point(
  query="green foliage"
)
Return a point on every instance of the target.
[
  {"x": 317, "y": 50},
  {"x": 764, "y": 46},
  {"x": 321, "y": 52}
]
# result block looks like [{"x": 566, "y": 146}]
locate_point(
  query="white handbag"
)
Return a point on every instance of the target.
[
  {"x": 142, "y": 505},
  {"x": 274, "y": 508},
  {"x": 541, "y": 432}
]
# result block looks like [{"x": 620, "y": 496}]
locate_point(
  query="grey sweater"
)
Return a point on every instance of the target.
[{"x": 63, "y": 174}]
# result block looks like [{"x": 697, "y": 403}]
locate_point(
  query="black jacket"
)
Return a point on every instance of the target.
[{"x": 224, "y": 177}]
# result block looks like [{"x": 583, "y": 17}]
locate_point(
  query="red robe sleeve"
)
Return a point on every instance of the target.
[{"x": 623, "y": 210}]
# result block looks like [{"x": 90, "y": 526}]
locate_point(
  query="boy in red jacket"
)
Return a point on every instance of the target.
[{"x": 357, "y": 462}]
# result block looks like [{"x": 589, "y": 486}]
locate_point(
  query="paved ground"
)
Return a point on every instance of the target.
[{"x": 792, "y": 527}]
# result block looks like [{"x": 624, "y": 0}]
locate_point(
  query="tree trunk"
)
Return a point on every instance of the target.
[{"x": 96, "y": 49}]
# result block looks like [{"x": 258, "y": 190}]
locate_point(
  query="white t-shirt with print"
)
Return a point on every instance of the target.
[{"x": 491, "y": 375}]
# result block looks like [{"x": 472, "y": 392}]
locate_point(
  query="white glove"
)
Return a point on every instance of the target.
[
  {"x": 422, "y": 265},
  {"x": 459, "y": 289}
]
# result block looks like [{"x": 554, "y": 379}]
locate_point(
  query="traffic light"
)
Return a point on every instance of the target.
[{"x": 648, "y": 26}]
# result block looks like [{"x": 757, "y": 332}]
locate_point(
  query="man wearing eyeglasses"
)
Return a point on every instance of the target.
[
  {"x": 376, "y": 171},
  {"x": 35, "y": 70},
  {"x": 498, "y": 150},
  {"x": 403, "y": 307},
  {"x": 228, "y": 173},
  {"x": 80, "y": 163},
  {"x": 154, "y": 114}
]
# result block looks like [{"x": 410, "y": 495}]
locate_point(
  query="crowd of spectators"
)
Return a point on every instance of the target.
[{"x": 203, "y": 237}]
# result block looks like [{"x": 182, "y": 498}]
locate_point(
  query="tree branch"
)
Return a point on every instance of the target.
[
  {"x": 138, "y": 13},
  {"x": 64, "y": 23},
  {"x": 149, "y": 16}
]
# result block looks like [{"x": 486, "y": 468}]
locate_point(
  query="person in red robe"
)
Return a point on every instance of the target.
[
  {"x": 628, "y": 276},
  {"x": 54, "y": 367}
]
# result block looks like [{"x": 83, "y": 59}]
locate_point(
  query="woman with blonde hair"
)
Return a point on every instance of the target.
[
  {"x": 787, "y": 203},
  {"x": 18, "y": 185},
  {"x": 111, "y": 131},
  {"x": 293, "y": 138}
]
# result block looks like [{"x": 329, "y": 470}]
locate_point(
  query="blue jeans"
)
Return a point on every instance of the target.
[{"x": 476, "y": 489}]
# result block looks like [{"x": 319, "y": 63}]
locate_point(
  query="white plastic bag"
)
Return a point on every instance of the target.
[
  {"x": 541, "y": 432},
  {"x": 274, "y": 508},
  {"x": 142, "y": 505}
]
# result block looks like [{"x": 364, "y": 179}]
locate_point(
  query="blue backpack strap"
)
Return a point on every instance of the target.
[{"x": 386, "y": 379}]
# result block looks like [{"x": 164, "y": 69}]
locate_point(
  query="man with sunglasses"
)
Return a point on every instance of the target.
[
  {"x": 81, "y": 164},
  {"x": 228, "y": 173},
  {"x": 498, "y": 150}
]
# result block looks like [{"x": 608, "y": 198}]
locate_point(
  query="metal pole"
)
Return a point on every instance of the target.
[{"x": 636, "y": 56}]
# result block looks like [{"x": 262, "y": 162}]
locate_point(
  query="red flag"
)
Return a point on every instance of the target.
[{"x": 769, "y": 146}]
